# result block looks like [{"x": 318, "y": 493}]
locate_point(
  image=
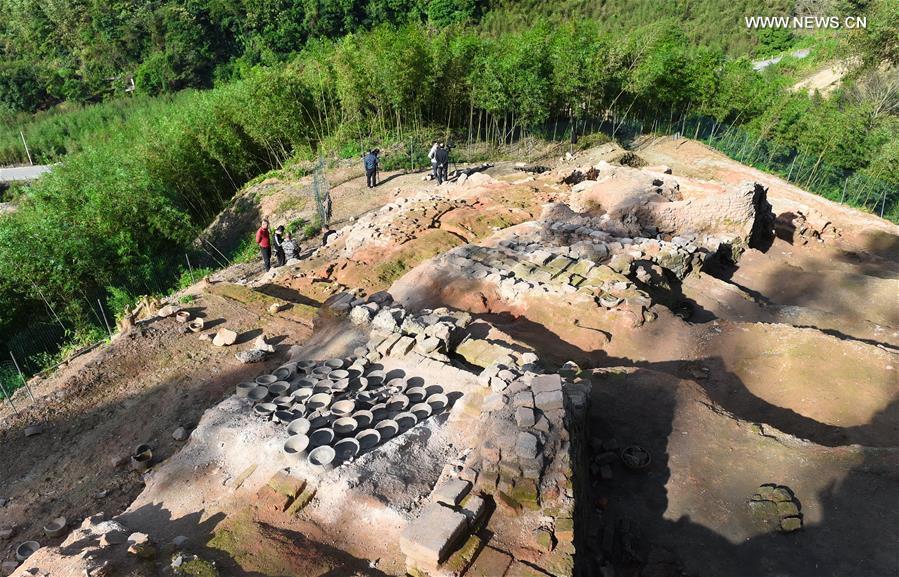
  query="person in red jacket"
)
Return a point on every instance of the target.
[{"x": 265, "y": 244}]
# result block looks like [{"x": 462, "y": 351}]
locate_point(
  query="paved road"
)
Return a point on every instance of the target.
[{"x": 22, "y": 172}]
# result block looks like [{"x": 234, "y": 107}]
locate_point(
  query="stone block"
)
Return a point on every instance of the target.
[
  {"x": 287, "y": 485},
  {"x": 402, "y": 347},
  {"x": 301, "y": 501},
  {"x": 429, "y": 539},
  {"x": 526, "y": 446},
  {"x": 384, "y": 347},
  {"x": 550, "y": 401},
  {"x": 473, "y": 507},
  {"x": 450, "y": 491},
  {"x": 544, "y": 540},
  {"x": 269, "y": 498},
  {"x": 494, "y": 402},
  {"x": 524, "y": 417},
  {"x": 526, "y": 491},
  {"x": 546, "y": 384},
  {"x": 523, "y": 399},
  {"x": 564, "y": 529},
  {"x": 507, "y": 504},
  {"x": 490, "y": 563}
]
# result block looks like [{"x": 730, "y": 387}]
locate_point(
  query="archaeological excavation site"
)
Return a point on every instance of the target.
[{"x": 651, "y": 362}]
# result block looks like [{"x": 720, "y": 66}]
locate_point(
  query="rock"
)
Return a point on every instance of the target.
[
  {"x": 34, "y": 430},
  {"x": 275, "y": 308},
  {"x": 7, "y": 567},
  {"x": 6, "y": 533},
  {"x": 385, "y": 321},
  {"x": 103, "y": 569},
  {"x": 450, "y": 492},
  {"x": 224, "y": 338},
  {"x": 524, "y": 417},
  {"x": 260, "y": 344},
  {"x": 494, "y": 402},
  {"x": 526, "y": 446},
  {"x": 140, "y": 545},
  {"x": 790, "y": 524},
  {"x": 360, "y": 315},
  {"x": 180, "y": 434},
  {"x": 3, "y": 501},
  {"x": 429, "y": 539},
  {"x": 111, "y": 538},
  {"x": 251, "y": 356},
  {"x": 168, "y": 310},
  {"x": 550, "y": 401},
  {"x": 523, "y": 399}
]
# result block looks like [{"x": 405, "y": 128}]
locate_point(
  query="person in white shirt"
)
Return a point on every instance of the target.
[{"x": 432, "y": 156}]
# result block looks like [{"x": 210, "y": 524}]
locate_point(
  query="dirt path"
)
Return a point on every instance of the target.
[{"x": 138, "y": 389}]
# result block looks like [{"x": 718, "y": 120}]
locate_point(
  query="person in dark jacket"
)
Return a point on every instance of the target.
[
  {"x": 265, "y": 246},
  {"x": 279, "y": 246},
  {"x": 370, "y": 161},
  {"x": 442, "y": 157}
]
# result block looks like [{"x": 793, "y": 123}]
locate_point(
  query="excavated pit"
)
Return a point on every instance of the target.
[{"x": 595, "y": 368}]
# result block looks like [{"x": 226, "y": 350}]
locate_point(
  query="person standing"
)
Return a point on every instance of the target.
[
  {"x": 432, "y": 156},
  {"x": 370, "y": 161},
  {"x": 279, "y": 246},
  {"x": 442, "y": 156},
  {"x": 265, "y": 246},
  {"x": 290, "y": 247}
]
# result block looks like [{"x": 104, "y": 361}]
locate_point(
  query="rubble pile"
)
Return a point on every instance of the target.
[
  {"x": 398, "y": 222},
  {"x": 529, "y": 450}
]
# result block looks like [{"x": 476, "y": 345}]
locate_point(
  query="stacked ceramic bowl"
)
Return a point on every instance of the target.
[{"x": 337, "y": 409}]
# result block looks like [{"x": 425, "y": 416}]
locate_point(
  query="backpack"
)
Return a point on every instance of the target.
[{"x": 371, "y": 162}]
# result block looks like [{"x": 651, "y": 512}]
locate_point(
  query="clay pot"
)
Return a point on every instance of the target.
[
  {"x": 359, "y": 384},
  {"x": 334, "y": 363},
  {"x": 340, "y": 385},
  {"x": 299, "y": 426},
  {"x": 421, "y": 411},
  {"x": 265, "y": 410},
  {"x": 196, "y": 325},
  {"x": 343, "y": 408},
  {"x": 338, "y": 374},
  {"x": 416, "y": 394},
  {"x": 379, "y": 411},
  {"x": 182, "y": 316},
  {"x": 387, "y": 428},
  {"x": 282, "y": 416},
  {"x": 320, "y": 437},
  {"x": 345, "y": 449},
  {"x": 438, "y": 402},
  {"x": 297, "y": 445},
  {"x": 26, "y": 550},
  {"x": 283, "y": 373},
  {"x": 321, "y": 371},
  {"x": 141, "y": 458},
  {"x": 266, "y": 379},
  {"x": 322, "y": 457},
  {"x": 303, "y": 394},
  {"x": 363, "y": 417},
  {"x": 319, "y": 401},
  {"x": 375, "y": 378},
  {"x": 368, "y": 438},
  {"x": 397, "y": 403},
  {"x": 635, "y": 458},
  {"x": 278, "y": 388},
  {"x": 55, "y": 528},
  {"x": 258, "y": 393},
  {"x": 243, "y": 389},
  {"x": 345, "y": 426},
  {"x": 405, "y": 420}
]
